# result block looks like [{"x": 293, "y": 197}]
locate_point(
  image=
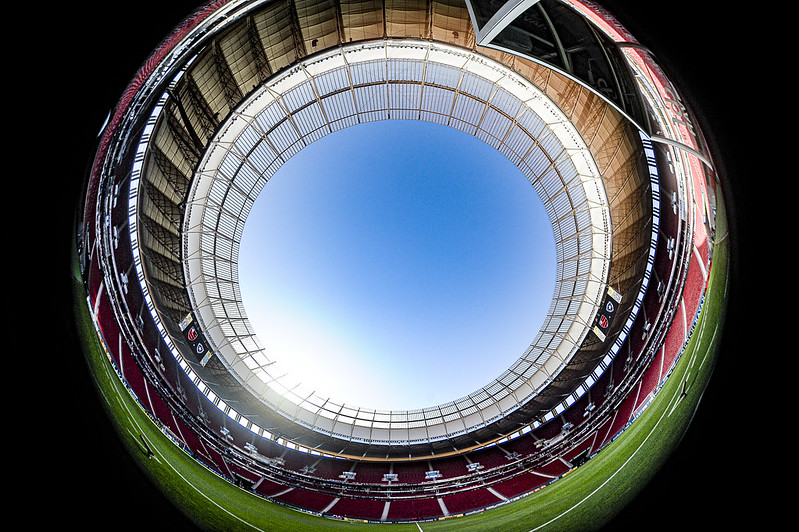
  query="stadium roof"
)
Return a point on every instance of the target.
[{"x": 345, "y": 87}]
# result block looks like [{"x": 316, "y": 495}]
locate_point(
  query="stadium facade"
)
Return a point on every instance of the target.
[{"x": 558, "y": 87}]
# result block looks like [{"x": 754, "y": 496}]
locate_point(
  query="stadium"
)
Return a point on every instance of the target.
[{"x": 562, "y": 439}]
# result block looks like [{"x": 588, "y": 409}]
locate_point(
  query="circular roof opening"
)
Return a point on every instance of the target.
[{"x": 397, "y": 265}]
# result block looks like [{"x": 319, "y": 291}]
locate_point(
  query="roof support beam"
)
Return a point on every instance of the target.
[
  {"x": 504, "y": 16},
  {"x": 679, "y": 145}
]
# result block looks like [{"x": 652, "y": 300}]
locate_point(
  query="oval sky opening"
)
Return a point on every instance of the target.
[{"x": 397, "y": 265}]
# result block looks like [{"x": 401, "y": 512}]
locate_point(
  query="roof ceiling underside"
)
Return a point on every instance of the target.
[{"x": 229, "y": 70}]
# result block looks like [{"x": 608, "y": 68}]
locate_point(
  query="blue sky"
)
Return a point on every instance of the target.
[{"x": 397, "y": 265}]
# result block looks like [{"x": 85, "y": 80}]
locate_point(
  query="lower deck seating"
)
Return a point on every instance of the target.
[{"x": 470, "y": 500}]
